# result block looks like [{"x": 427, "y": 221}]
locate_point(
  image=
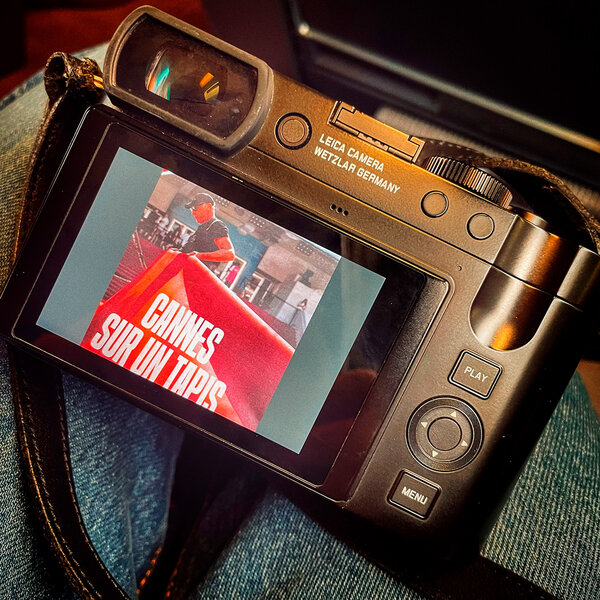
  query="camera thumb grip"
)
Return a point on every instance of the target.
[{"x": 548, "y": 197}]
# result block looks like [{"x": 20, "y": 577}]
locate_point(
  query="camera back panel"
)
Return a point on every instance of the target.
[{"x": 386, "y": 338}]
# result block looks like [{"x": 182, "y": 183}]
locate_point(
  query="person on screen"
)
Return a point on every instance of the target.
[
  {"x": 210, "y": 243},
  {"x": 160, "y": 230},
  {"x": 174, "y": 238},
  {"x": 299, "y": 320}
]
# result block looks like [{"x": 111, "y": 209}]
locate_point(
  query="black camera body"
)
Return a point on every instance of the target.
[{"x": 383, "y": 336}]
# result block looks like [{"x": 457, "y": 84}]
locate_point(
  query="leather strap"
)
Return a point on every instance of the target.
[
  {"x": 70, "y": 86},
  {"x": 42, "y": 433},
  {"x": 39, "y": 401},
  {"x": 545, "y": 193},
  {"x": 36, "y": 386}
]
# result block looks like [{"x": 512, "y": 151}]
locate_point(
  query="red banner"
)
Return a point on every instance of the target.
[{"x": 178, "y": 325}]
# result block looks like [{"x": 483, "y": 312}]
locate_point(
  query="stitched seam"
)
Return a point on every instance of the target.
[
  {"x": 64, "y": 445},
  {"x": 150, "y": 570},
  {"x": 76, "y": 567},
  {"x": 40, "y": 483}
]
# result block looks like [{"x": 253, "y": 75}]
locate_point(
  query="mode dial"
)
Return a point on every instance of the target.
[{"x": 470, "y": 178}]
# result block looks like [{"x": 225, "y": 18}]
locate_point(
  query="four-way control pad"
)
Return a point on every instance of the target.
[{"x": 445, "y": 434}]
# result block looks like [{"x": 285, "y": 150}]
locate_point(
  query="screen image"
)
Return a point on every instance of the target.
[{"x": 209, "y": 300}]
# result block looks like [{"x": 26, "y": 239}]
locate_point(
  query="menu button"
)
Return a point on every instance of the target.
[{"x": 414, "y": 495}]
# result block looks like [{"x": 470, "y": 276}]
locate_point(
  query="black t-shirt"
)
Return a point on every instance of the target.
[{"x": 203, "y": 239}]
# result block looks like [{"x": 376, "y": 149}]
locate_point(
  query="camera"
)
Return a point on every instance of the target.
[{"x": 279, "y": 272}]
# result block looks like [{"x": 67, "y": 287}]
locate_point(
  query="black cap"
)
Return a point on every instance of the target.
[{"x": 198, "y": 199}]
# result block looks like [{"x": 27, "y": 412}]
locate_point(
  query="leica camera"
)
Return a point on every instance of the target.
[{"x": 277, "y": 271}]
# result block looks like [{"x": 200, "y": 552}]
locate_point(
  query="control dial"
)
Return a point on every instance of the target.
[
  {"x": 470, "y": 178},
  {"x": 445, "y": 434}
]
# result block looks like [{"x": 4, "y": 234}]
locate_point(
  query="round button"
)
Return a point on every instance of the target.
[
  {"x": 444, "y": 434},
  {"x": 429, "y": 414},
  {"x": 293, "y": 131},
  {"x": 434, "y": 204},
  {"x": 480, "y": 226}
]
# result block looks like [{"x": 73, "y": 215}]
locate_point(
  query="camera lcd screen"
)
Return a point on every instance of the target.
[
  {"x": 202, "y": 299},
  {"x": 210, "y": 301}
]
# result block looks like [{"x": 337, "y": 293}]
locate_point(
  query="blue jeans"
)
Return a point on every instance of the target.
[
  {"x": 124, "y": 459},
  {"x": 548, "y": 531}
]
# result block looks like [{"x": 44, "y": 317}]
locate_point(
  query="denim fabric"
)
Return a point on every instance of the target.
[
  {"x": 25, "y": 562},
  {"x": 123, "y": 461},
  {"x": 123, "y": 458},
  {"x": 281, "y": 553},
  {"x": 548, "y": 531},
  {"x": 123, "y": 464}
]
